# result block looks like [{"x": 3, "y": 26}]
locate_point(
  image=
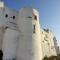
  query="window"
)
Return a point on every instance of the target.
[
  {"x": 29, "y": 17},
  {"x": 34, "y": 29},
  {"x": 35, "y": 17},
  {"x": 6, "y": 15},
  {"x": 13, "y": 17}
]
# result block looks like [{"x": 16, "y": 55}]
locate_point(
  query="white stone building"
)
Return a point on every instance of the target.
[
  {"x": 47, "y": 42},
  {"x": 9, "y": 33},
  {"x": 20, "y": 34},
  {"x": 29, "y": 43},
  {"x": 20, "y": 31}
]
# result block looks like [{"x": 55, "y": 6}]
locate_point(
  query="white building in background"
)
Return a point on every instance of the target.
[
  {"x": 47, "y": 42},
  {"x": 20, "y": 34}
]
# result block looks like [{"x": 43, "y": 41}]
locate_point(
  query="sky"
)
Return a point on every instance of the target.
[{"x": 49, "y": 11}]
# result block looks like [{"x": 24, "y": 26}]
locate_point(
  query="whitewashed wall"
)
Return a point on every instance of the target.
[
  {"x": 1, "y": 23},
  {"x": 48, "y": 48},
  {"x": 9, "y": 21},
  {"x": 10, "y": 42},
  {"x": 36, "y": 37},
  {"x": 29, "y": 43},
  {"x": 11, "y": 34},
  {"x": 25, "y": 42}
]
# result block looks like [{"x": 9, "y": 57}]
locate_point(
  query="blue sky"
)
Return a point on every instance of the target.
[{"x": 49, "y": 12}]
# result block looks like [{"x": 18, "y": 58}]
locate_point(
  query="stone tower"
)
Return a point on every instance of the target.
[
  {"x": 29, "y": 46},
  {"x": 8, "y": 32},
  {"x": 11, "y": 34}
]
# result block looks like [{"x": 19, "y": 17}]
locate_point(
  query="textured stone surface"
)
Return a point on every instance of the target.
[{"x": 29, "y": 42}]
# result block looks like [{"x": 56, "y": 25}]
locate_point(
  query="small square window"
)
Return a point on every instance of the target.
[
  {"x": 34, "y": 29},
  {"x": 13, "y": 17},
  {"x": 6, "y": 15},
  {"x": 35, "y": 17}
]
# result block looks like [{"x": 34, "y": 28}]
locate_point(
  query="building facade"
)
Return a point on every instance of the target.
[
  {"x": 47, "y": 42},
  {"x": 20, "y": 33},
  {"x": 8, "y": 32},
  {"x": 29, "y": 45},
  {"x": 21, "y": 36}
]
